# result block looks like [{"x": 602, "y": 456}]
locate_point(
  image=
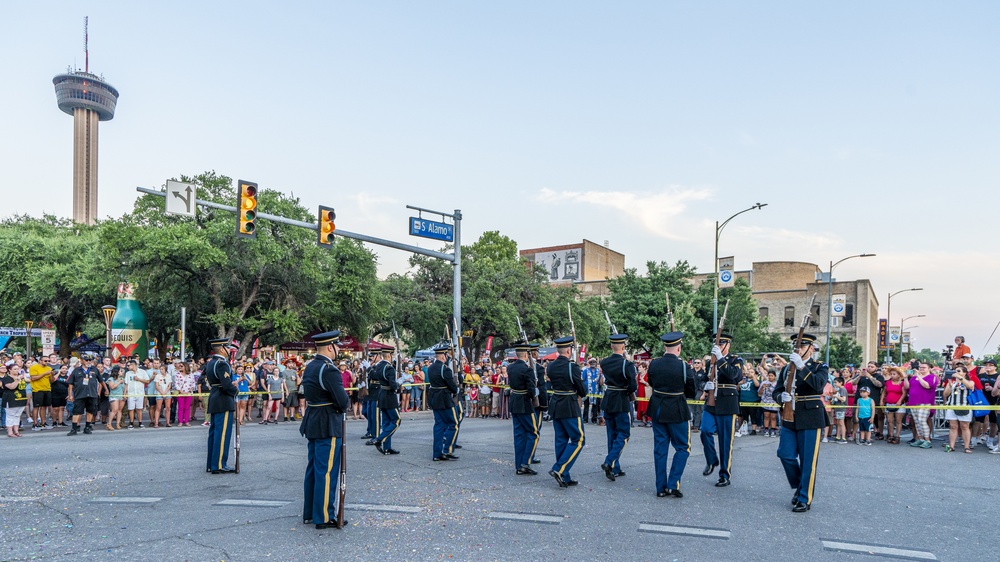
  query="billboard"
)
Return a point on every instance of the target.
[{"x": 560, "y": 265}]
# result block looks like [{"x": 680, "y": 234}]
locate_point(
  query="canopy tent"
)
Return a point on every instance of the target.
[{"x": 347, "y": 343}]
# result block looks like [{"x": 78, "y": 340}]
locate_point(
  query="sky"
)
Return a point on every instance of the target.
[{"x": 866, "y": 127}]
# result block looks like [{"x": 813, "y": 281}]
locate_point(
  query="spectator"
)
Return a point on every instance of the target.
[
  {"x": 275, "y": 393},
  {"x": 204, "y": 388},
  {"x": 961, "y": 350},
  {"x": 872, "y": 379},
  {"x": 700, "y": 378},
  {"x": 40, "y": 374},
  {"x": 405, "y": 378},
  {"x": 922, "y": 391},
  {"x": 892, "y": 400},
  {"x": 243, "y": 383},
  {"x": 163, "y": 384},
  {"x": 840, "y": 403},
  {"x": 866, "y": 417},
  {"x": 152, "y": 370},
  {"x": 116, "y": 391},
  {"x": 747, "y": 421},
  {"x": 849, "y": 419},
  {"x": 592, "y": 382},
  {"x": 104, "y": 402},
  {"x": 85, "y": 387},
  {"x": 15, "y": 396},
  {"x": 504, "y": 393},
  {"x": 770, "y": 407},
  {"x": 417, "y": 390},
  {"x": 135, "y": 389},
  {"x": 956, "y": 394},
  {"x": 988, "y": 376},
  {"x": 290, "y": 377},
  {"x": 496, "y": 390},
  {"x": 643, "y": 391},
  {"x": 184, "y": 383},
  {"x": 828, "y": 393},
  {"x": 485, "y": 394},
  {"x": 60, "y": 391}
]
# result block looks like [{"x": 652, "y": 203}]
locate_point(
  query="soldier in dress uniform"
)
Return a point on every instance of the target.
[
  {"x": 673, "y": 383},
  {"x": 221, "y": 406},
  {"x": 388, "y": 404},
  {"x": 721, "y": 418},
  {"x": 798, "y": 445},
  {"x": 323, "y": 426},
  {"x": 541, "y": 390},
  {"x": 441, "y": 398},
  {"x": 567, "y": 385},
  {"x": 369, "y": 405},
  {"x": 620, "y": 376},
  {"x": 522, "y": 408}
]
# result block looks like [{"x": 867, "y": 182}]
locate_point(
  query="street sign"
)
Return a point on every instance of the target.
[
  {"x": 726, "y": 275},
  {"x": 432, "y": 229},
  {"x": 839, "y": 305},
  {"x": 181, "y": 198}
]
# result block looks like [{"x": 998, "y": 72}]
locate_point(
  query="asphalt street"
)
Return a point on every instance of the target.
[{"x": 144, "y": 495}]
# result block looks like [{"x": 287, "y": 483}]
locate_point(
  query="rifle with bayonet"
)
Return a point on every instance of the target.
[
  {"x": 531, "y": 362},
  {"x": 670, "y": 313},
  {"x": 614, "y": 330},
  {"x": 712, "y": 374},
  {"x": 791, "y": 371},
  {"x": 399, "y": 357}
]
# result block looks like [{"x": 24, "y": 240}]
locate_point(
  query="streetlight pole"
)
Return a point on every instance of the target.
[
  {"x": 888, "y": 319},
  {"x": 829, "y": 299},
  {"x": 109, "y": 313},
  {"x": 718, "y": 231},
  {"x": 901, "y": 322},
  {"x": 27, "y": 338}
]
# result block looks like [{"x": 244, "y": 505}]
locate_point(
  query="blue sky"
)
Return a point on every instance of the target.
[{"x": 866, "y": 127}]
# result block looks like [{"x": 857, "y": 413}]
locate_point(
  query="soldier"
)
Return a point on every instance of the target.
[
  {"x": 323, "y": 426},
  {"x": 221, "y": 405},
  {"x": 84, "y": 386},
  {"x": 522, "y": 408},
  {"x": 721, "y": 418},
  {"x": 441, "y": 399},
  {"x": 567, "y": 386},
  {"x": 388, "y": 404},
  {"x": 798, "y": 446},
  {"x": 673, "y": 384},
  {"x": 369, "y": 405},
  {"x": 620, "y": 376},
  {"x": 541, "y": 390}
]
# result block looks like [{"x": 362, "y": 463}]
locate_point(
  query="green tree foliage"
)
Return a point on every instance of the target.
[{"x": 844, "y": 350}]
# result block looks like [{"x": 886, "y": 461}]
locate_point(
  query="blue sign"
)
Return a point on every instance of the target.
[{"x": 431, "y": 229}]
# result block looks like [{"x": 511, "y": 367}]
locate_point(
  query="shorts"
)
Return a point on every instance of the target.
[
  {"x": 839, "y": 414},
  {"x": 292, "y": 401},
  {"x": 864, "y": 425},
  {"x": 952, "y": 415},
  {"x": 13, "y": 415},
  {"x": 484, "y": 399},
  {"x": 58, "y": 400},
  {"x": 242, "y": 398},
  {"x": 894, "y": 410},
  {"x": 88, "y": 405},
  {"x": 41, "y": 399},
  {"x": 134, "y": 403},
  {"x": 274, "y": 397}
]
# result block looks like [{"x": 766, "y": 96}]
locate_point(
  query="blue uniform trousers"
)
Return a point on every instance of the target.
[
  {"x": 390, "y": 423},
  {"x": 799, "y": 452},
  {"x": 569, "y": 443},
  {"x": 369, "y": 410},
  {"x": 537, "y": 417},
  {"x": 219, "y": 437},
  {"x": 619, "y": 426},
  {"x": 664, "y": 435},
  {"x": 725, "y": 426},
  {"x": 322, "y": 472},
  {"x": 524, "y": 438},
  {"x": 459, "y": 417},
  {"x": 445, "y": 430}
]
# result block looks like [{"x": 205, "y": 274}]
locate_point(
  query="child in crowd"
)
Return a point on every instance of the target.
[
  {"x": 767, "y": 389},
  {"x": 840, "y": 399},
  {"x": 866, "y": 415}
]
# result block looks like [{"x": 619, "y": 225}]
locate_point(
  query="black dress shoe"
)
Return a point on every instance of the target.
[
  {"x": 709, "y": 469},
  {"x": 457, "y": 446},
  {"x": 800, "y": 507},
  {"x": 559, "y": 478},
  {"x": 535, "y": 461},
  {"x": 662, "y": 494},
  {"x": 572, "y": 483},
  {"x": 393, "y": 452},
  {"x": 451, "y": 457},
  {"x": 620, "y": 474},
  {"x": 439, "y": 459},
  {"x": 370, "y": 442},
  {"x": 722, "y": 483},
  {"x": 675, "y": 493},
  {"x": 307, "y": 521},
  {"x": 525, "y": 470},
  {"x": 224, "y": 470},
  {"x": 378, "y": 447},
  {"x": 330, "y": 525},
  {"x": 608, "y": 473},
  {"x": 367, "y": 436}
]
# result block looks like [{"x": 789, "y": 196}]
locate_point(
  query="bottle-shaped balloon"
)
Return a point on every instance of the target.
[{"x": 128, "y": 327}]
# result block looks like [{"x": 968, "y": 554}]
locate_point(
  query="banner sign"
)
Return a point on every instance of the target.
[
  {"x": 727, "y": 275},
  {"x": 838, "y": 306},
  {"x": 883, "y": 334}
]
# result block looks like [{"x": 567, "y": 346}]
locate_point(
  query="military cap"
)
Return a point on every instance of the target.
[
  {"x": 618, "y": 338},
  {"x": 443, "y": 347},
  {"x": 807, "y": 339},
  {"x": 327, "y": 338},
  {"x": 521, "y": 346},
  {"x": 534, "y": 346},
  {"x": 725, "y": 338},
  {"x": 218, "y": 342},
  {"x": 566, "y": 341},
  {"x": 672, "y": 338}
]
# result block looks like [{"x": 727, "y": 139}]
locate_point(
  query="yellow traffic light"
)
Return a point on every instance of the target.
[
  {"x": 326, "y": 226},
  {"x": 246, "y": 227}
]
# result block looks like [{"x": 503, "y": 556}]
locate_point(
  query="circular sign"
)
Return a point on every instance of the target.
[
  {"x": 725, "y": 276},
  {"x": 838, "y": 308}
]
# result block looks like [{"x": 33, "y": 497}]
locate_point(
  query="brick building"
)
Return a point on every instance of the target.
[{"x": 586, "y": 265}]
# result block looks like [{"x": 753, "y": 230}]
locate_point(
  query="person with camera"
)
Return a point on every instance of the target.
[
  {"x": 15, "y": 395},
  {"x": 871, "y": 378},
  {"x": 921, "y": 388},
  {"x": 956, "y": 395}
]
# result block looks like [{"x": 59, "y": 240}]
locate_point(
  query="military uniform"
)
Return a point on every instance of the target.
[
  {"x": 673, "y": 384},
  {"x": 521, "y": 379},
  {"x": 388, "y": 405},
  {"x": 323, "y": 426},
  {"x": 369, "y": 405},
  {"x": 567, "y": 385},
  {"x": 620, "y": 377},
  {"x": 441, "y": 399},
  {"x": 221, "y": 405},
  {"x": 798, "y": 444},
  {"x": 542, "y": 391},
  {"x": 721, "y": 418}
]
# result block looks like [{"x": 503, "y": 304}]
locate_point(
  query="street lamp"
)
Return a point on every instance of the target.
[
  {"x": 901, "y": 322},
  {"x": 888, "y": 317},
  {"x": 718, "y": 231},
  {"x": 109, "y": 313},
  {"x": 829, "y": 299},
  {"x": 27, "y": 338}
]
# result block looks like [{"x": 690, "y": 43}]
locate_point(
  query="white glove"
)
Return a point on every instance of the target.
[
  {"x": 786, "y": 397},
  {"x": 717, "y": 352},
  {"x": 709, "y": 385},
  {"x": 797, "y": 359}
]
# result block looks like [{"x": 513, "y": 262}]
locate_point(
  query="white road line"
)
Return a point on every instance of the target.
[
  {"x": 18, "y": 499},
  {"x": 125, "y": 499},
  {"x": 533, "y": 517},
  {"x": 253, "y": 503},
  {"x": 377, "y": 507},
  {"x": 877, "y": 550},
  {"x": 686, "y": 531}
]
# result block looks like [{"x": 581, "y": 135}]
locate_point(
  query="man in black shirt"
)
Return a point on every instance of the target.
[
  {"x": 872, "y": 379},
  {"x": 85, "y": 388}
]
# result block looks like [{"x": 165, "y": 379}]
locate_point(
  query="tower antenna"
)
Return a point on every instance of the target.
[{"x": 86, "y": 51}]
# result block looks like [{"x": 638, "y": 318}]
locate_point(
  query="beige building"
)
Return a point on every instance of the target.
[{"x": 586, "y": 265}]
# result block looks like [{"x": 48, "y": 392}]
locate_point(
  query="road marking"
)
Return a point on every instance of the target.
[
  {"x": 877, "y": 550},
  {"x": 533, "y": 517},
  {"x": 125, "y": 499},
  {"x": 703, "y": 532},
  {"x": 377, "y": 507},
  {"x": 253, "y": 503},
  {"x": 19, "y": 499}
]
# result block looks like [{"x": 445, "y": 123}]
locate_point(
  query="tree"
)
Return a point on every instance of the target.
[{"x": 844, "y": 350}]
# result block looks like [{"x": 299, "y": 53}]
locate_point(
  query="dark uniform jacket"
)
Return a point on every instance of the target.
[
  {"x": 809, "y": 384},
  {"x": 222, "y": 390},
  {"x": 386, "y": 376},
  {"x": 673, "y": 383},
  {"x": 374, "y": 385},
  {"x": 521, "y": 379},
  {"x": 728, "y": 374},
  {"x": 443, "y": 388},
  {"x": 620, "y": 378},
  {"x": 566, "y": 382},
  {"x": 543, "y": 391},
  {"x": 323, "y": 387},
  {"x": 88, "y": 390}
]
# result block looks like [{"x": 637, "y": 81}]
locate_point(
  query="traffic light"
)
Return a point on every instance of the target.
[
  {"x": 247, "y": 211},
  {"x": 326, "y": 226}
]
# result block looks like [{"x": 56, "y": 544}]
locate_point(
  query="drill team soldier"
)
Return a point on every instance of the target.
[
  {"x": 721, "y": 418},
  {"x": 221, "y": 405},
  {"x": 541, "y": 390},
  {"x": 388, "y": 404},
  {"x": 620, "y": 376},
  {"x": 564, "y": 408},
  {"x": 369, "y": 405},
  {"x": 323, "y": 426},
  {"x": 798, "y": 444},
  {"x": 441, "y": 399},
  {"x": 672, "y": 386},
  {"x": 522, "y": 409}
]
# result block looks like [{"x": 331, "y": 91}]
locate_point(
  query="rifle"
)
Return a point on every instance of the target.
[
  {"x": 399, "y": 357},
  {"x": 237, "y": 446},
  {"x": 792, "y": 372},
  {"x": 343, "y": 474},
  {"x": 459, "y": 379},
  {"x": 524, "y": 336},
  {"x": 712, "y": 374},
  {"x": 572, "y": 329},
  {"x": 670, "y": 313}
]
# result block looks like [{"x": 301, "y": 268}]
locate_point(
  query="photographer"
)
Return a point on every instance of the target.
[
  {"x": 872, "y": 379},
  {"x": 15, "y": 395},
  {"x": 921, "y": 390},
  {"x": 956, "y": 394}
]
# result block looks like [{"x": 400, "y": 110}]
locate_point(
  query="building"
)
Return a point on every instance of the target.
[
  {"x": 586, "y": 265},
  {"x": 783, "y": 290},
  {"x": 89, "y": 99}
]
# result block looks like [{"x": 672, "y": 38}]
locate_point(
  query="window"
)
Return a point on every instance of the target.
[
  {"x": 762, "y": 312},
  {"x": 789, "y": 316},
  {"x": 849, "y": 315},
  {"x": 814, "y": 316}
]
